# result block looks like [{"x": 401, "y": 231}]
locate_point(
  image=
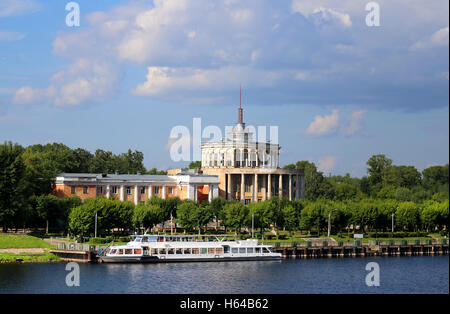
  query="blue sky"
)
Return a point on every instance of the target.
[{"x": 339, "y": 90}]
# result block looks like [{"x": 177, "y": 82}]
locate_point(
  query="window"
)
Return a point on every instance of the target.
[
  {"x": 137, "y": 251},
  {"x": 258, "y": 250},
  {"x": 187, "y": 251},
  {"x": 129, "y": 190},
  {"x": 162, "y": 251},
  {"x": 204, "y": 251},
  {"x": 156, "y": 189},
  {"x": 211, "y": 251},
  {"x": 178, "y": 251},
  {"x": 85, "y": 189},
  {"x": 114, "y": 189},
  {"x": 194, "y": 251},
  {"x": 234, "y": 250},
  {"x": 100, "y": 190},
  {"x": 128, "y": 251},
  {"x": 120, "y": 251},
  {"x": 170, "y": 251},
  {"x": 242, "y": 250},
  {"x": 219, "y": 251},
  {"x": 72, "y": 189},
  {"x": 250, "y": 250},
  {"x": 170, "y": 190},
  {"x": 143, "y": 190},
  {"x": 154, "y": 251}
]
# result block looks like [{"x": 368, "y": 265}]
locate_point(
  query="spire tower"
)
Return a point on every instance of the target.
[{"x": 240, "y": 111}]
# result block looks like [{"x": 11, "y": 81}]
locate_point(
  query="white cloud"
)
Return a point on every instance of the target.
[
  {"x": 324, "y": 125},
  {"x": 326, "y": 164},
  {"x": 354, "y": 124},
  {"x": 17, "y": 7},
  {"x": 27, "y": 95},
  {"x": 11, "y": 36},
  {"x": 439, "y": 38}
]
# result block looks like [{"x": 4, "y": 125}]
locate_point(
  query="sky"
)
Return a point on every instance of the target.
[{"x": 338, "y": 88}]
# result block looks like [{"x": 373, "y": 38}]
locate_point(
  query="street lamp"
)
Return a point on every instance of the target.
[{"x": 329, "y": 221}]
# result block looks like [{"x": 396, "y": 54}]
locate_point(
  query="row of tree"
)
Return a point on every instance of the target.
[
  {"x": 366, "y": 215},
  {"x": 384, "y": 181},
  {"x": 29, "y": 172}
]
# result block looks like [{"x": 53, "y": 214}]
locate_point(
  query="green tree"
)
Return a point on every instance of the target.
[{"x": 236, "y": 214}]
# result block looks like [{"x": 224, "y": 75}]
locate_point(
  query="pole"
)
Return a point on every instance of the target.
[
  {"x": 171, "y": 224},
  {"x": 329, "y": 224},
  {"x": 392, "y": 222},
  {"x": 95, "y": 225}
]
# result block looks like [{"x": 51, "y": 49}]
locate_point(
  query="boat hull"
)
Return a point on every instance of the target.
[{"x": 155, "y": 259}]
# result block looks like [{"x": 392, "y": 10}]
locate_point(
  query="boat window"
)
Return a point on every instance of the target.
[
  {"x": 195, "y": 251},
  {"x": 250, "y": 250},
  {"x": 242, "y": 250},
  {"x": 234, "y": 250},
  {"x": 160, "y": 239},
  {"x": 154, "y": 251},
  {"x": 204, "y": 250},
  {"x": 211, "y": 251},
  {"x": 258, "y": 250},
  {"x": 152, "y": 239},
  {"x": 187, "y": 251},
  {"x": 120, "y": 251},
  {"x": 219, "y": 251},
  {"x": 162, "y": 251},
  {"x": 145, "y": 239},
  {"x": 226, "y": 249},
  {"x": 138, "y": 239},
  {"x": 266, "y": 250},
  {"x": 128, "y": 251},
  {"x": 137, "y": 251},
  {"x": 113, "y": 251},
  {"x": 170, "y": 251},
  {"x": 179, "y": 251}
]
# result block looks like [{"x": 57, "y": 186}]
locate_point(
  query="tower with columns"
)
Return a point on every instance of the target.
[{"x": 248, "y": 170}]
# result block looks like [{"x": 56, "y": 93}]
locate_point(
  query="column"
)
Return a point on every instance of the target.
[
  {"x": 150, "y": 191},
  {"x": 242, "y": 186},
  {"x": 255, "y": 194},
  {"x": 229, "y": 192},
  {"x": 215, "y": 191},
  {"x": 164, "y": 192},
  {"x": 195, "y": 193},
  {"x": 297, "y": 187},
  {"x": 269, "y": 186},
  {"x": 209, "y": 192},
  {"x": 264, "y": 187},
  {"x": 280, "y": 186},
  {"x": 122, "y": 193},
  {"x": 290, "y": 187},
  {"x": 136, "y": 195},
  {"x": 108, "y": 191}
]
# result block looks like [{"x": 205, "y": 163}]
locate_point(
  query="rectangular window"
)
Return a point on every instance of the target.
[
  {"x": 170, "y": 190},
  {"x": 250, "y": 250},
  {"x": 211, "y": 251},
  {"x": 204, "y": 251},
  {"x": 143, "y": 190},
  {"x": 194, "y": 251},
  {"x": 129, "y": 190},
  {"x": 258, "y": 250},
  {"x": 85, "y": 189},
  {"x": 156, "y": 189},
  {"x": 187, "y": 251},
  {"x": 178, "y": 251},
  {"x": 219, "y": 250},
  {"x": 100, "y": 190},
  {"x": 242, "y": 250},
  {"x": 137, "y": 251},
  {"x": 162, "y": 251},
  {"x": 154, "y": 251},
  {"x": 234, "y": 250},
  {"x": 128, "y": 251},
  {"x": 72, "y": 190},
  {"x": 114, "y": 189},
  {"x": 170, "y": 251}
]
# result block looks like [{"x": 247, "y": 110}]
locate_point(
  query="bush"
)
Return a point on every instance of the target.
[
  {"x": 124, "y": 239},
  {"x": 98, "y": 240},
  {"x": 282, "y": 237},
  {"x": 269, "y": 236}
]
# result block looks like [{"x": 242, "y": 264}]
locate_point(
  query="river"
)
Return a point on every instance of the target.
[{"x": 416, "y": 274}]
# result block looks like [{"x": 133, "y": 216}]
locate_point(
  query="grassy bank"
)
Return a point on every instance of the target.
[{"x": 13, "y": 241}]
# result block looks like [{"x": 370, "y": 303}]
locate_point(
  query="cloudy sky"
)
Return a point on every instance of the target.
[{"x": 339, "y": 90}]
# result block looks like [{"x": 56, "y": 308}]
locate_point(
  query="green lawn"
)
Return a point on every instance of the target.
[
  {"x": 28, "y": 257},
  {"x": 8, "y": 241}
]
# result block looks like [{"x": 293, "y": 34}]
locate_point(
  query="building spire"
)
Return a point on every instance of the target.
[{"x": 240, "y": 111}]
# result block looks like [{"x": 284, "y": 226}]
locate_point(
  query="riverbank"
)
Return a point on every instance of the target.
[{"x": 16, "y": 248}]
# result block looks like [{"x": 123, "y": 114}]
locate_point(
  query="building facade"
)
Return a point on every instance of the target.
[
  {"x": 137, "y": 188},
  {"x": 249, "y": 170}
]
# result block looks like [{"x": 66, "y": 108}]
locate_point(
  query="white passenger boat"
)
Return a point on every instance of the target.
[{"x": 161, "y": 248}]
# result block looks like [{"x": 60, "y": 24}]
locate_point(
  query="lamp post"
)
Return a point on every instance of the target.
[
  {"x": 329, "y": 221},
  {"x": 253, "y": 225},
  {"x": 95, "y": 235}
]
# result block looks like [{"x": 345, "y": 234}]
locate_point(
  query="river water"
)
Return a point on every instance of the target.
[{"x": 417, "y": 274}]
